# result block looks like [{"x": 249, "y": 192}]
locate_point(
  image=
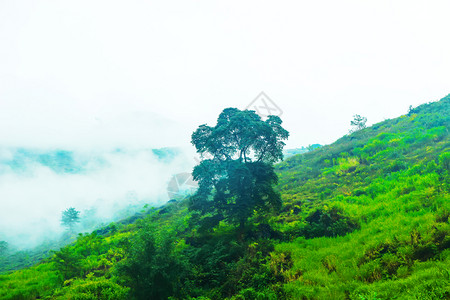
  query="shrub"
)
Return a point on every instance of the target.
[
  {"x": 329, "y": 222},
  {"x": 97, "y": 289},
  {"x": 444, "y": 160}
]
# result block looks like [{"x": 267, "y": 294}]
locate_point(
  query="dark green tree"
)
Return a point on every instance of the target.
[
  {"x": 238, "y": 177},
  {"x": 358, "y": 123},
  {"x": 70, "y": 217}
]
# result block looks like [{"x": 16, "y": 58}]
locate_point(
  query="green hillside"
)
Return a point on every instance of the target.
[{"x": 366, "y": 217}]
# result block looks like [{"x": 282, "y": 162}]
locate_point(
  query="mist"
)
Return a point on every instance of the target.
[{"x": 36, "y": 185}]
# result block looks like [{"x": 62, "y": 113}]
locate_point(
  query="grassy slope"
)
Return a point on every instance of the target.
[
  {"x": 387, "y": 177},
  {"x": 363, "y": 218}
]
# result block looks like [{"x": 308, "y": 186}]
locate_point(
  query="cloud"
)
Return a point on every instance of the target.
[
  {"x": 33, "y": 193},
  {"x": 45, "y": 126}
]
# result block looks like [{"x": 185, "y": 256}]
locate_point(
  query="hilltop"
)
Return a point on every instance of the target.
[{"x": 366, "y": 217}]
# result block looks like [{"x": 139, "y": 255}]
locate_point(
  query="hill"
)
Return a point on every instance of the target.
[{"x": 366, "y": 217}]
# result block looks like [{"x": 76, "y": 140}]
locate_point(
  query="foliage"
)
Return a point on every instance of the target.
[
  {"x": 328, "y": 222},
  {"x": 238, "y": 178},
  {"x": 358, "y": 123},
  {"x": 68, "y": 263},
  {"x": 151, "y": 268},
  {"x": 3, "y": 247},
  {"x": 70, "y": 217},
  {"x": 93, "y": 289}
]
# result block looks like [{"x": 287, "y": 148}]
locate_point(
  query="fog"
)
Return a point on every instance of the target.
[
  {"x": 99, "y": 184},
  {"x": 106, "y": 167}
]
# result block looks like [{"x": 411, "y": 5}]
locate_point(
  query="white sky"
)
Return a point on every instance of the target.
[{"x": 147, "y": 73}]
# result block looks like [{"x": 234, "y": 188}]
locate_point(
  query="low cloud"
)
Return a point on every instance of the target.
[{"x": 37, "y": 185}]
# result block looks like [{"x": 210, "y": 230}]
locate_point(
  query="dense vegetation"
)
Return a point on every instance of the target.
[{"x": 364, "y": 218}]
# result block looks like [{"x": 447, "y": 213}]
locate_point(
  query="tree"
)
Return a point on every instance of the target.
[
  {"x": 358, "y": 123},
  {"x": 3, "y": 247},
  {"x": 68, "y": 263},
  {"x": 70, "y": 217},
  {"x": 153, "y": 269},
  {"x": 412, "y": 110},
  {"x": 238, "y": 178}
]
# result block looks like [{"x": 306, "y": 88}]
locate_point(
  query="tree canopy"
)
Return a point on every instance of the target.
[
  {"x": 237, "y": 178},
  {"x": 358, "y": 123},
  {"x": 70, "y": 217}
]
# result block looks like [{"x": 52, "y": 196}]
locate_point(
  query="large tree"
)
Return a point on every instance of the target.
[
  {"x": 70, "y": 217},
  {"x": 236, "y": 175}
]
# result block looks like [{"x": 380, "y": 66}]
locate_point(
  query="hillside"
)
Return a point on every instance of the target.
[{"x": 366, "y": 217}]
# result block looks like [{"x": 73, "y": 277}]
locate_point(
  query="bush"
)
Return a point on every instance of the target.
[
  {"x": 444, "y": 161},
  {"x": 152, "y": 269},
  {"x": 97, "y": 289},
  {"x": 329, "y": 222}
]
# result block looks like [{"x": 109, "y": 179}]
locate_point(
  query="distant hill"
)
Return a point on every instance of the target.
[
  {"x": 290, "y": 152},
  {"x": 67, "y": 161}
]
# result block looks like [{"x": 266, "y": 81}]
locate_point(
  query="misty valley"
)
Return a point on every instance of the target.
[{"x": 104, "y": 186}]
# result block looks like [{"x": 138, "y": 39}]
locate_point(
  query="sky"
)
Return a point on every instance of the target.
[
  {"x": 93, "y": 76},
  {"x": 146, "y": 73}
]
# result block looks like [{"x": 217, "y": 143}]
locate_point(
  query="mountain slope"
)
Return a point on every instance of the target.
[
  {"x": 364, "y": 218},
  {"x": 392, "y": 180}
]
